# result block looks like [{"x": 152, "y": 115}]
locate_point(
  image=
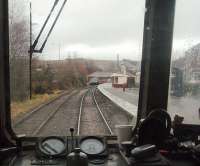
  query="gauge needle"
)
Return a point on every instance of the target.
[
  {"x": 43, "y": 147},
  {"x": 47, "y": 145}
]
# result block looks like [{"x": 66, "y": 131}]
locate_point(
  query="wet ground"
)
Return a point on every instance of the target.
[{"x": 186, "y": 106}]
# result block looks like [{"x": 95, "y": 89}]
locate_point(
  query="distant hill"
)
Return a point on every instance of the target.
[
  {"x": 106, "y": 65},
  {"x": 100, "y": 65}
]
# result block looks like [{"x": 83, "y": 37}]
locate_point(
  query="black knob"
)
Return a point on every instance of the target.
[
  {"x": 71, "y": 130},
  {"x": 77, "y": 150}
]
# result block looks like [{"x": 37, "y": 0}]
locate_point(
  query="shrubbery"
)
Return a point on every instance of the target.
[{"x": 60, "y": 75}]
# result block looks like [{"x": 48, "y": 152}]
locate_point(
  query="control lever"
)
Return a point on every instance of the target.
[
  {"x": 72, "y": 137},
  {"x": 144, "y": 151},
  {"x": 147, "y": 155},
  {"x": 127, "y": 146}
]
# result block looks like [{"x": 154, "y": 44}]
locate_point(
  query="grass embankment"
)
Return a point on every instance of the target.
[{"x": 18, "y": 108}]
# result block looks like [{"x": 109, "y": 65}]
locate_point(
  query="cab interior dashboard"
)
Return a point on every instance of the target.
[
  {"x": 54, "y": 150},
  {"x": 156, "y": 141},
  {"x": 180, "y": 147}
]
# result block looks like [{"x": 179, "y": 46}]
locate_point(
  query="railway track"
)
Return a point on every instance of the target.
[
  {"x": 91, "y": 119},
  {"x": 58, "y": 115},
  {"x": 32, "y": 123},
  {"x": 38, "y": 108}
]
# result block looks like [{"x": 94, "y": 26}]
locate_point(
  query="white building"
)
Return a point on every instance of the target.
[{"x": 123, "y": 80}]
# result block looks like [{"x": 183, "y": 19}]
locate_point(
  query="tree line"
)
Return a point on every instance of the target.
[{"x": 60, "y": 74}]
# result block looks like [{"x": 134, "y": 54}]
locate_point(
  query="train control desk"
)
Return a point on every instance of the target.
[
  {"x": 102, "y": 151},
  {"x": 54, "y": 151}
]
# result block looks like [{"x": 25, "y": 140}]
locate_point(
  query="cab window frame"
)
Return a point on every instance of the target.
[
  {"x": 6, "y": 133},
  {"x": 155, "y": 69}
]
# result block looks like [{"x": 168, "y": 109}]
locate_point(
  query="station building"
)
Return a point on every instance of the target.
[
  {"x": 123, "y": 80},
  {"x": 101, "y": 77}
]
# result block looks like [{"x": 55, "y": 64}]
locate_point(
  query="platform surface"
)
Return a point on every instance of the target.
[
  {"x": 127, "y": 100},
  {"x": 186, "y": 106}
]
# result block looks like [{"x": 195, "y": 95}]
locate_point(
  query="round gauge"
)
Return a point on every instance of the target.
[
  {"x": 92, "y": 145},
  {"x": 52, "y": 146}
]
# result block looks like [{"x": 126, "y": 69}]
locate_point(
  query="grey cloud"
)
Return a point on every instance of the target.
[
  {"x": 99, "y": 23},
  {"x": 187, "y": 22}
]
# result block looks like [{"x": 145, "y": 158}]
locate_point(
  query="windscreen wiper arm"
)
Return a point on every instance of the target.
[
  {"x": 45, "y": 23},
  {"x": 54, "y": 23}
]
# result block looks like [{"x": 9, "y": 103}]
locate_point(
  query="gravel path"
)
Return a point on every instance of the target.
[
  {"x": 113, "y": 114},
  {"x": 91, "y": 120}
]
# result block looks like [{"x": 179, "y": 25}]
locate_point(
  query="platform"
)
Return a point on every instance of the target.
[
  {"x": 186, "y": 106},
  {"x": 126, "y": 100}
]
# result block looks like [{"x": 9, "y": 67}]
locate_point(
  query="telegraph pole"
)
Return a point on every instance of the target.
[
  {"x": 33, "y": 46},
  {"x": 30, "y": 54}
]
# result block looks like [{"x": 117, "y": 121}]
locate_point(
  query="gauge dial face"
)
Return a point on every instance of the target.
[
  {"x": 52, "y": 146},
  {"x": 92, "y": 146}
]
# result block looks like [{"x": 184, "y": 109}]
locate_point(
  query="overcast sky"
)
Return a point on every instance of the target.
[{"x": 103, "y": 28}]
